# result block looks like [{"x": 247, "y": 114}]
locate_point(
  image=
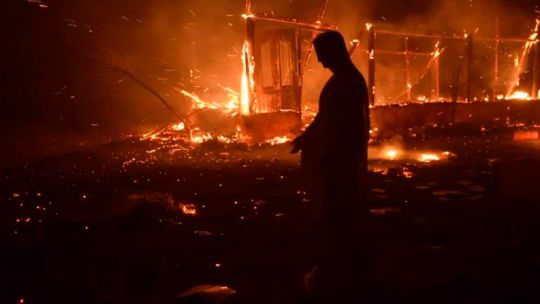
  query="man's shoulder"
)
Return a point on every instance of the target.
[{"x": 355, "y": 79}]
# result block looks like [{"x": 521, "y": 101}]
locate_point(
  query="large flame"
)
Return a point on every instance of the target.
[
  {"x": 519, "y": 95},
  {"x": 520, "y": 61},
  {"x": 247, "y": 85}
]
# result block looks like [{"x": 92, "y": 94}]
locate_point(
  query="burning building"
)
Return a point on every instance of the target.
[
  {"x": 436, "y": 78},
  {"x": 274, "y": 57}
]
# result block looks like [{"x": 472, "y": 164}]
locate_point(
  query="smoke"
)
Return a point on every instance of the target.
[{"x": 195, "y": 45}]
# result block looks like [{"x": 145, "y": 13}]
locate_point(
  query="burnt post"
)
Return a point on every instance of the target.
[
  {"x": 250, "y": 36},
  {"x": 536, "y": 70},
  {"x": 298, "y": 69},
  {"x": 408, "y": 69},
  {"x": 371, "y": 63},
  {"x": 469, "y": 55},
  {"x": 496, "y": 69},
  {"x": 436, "y": 72}
]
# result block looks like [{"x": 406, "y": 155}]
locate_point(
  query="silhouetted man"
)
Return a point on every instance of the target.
[{"x": 334, "y": 163}]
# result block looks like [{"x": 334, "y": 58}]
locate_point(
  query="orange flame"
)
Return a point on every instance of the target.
[
  {"x": 519, "y": 95},
  {"x": 247, "y": 97},
  {"x": 428, "y": 157},
  {"x": 188, "y": 209}
]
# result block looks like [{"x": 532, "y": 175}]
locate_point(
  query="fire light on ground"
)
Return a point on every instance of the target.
[
  {"x": 525, "y": 135},
  {"x": 201, "y": 138},
  {"x": 394, "y": 153},
  {"x": 278, "y": 140}
]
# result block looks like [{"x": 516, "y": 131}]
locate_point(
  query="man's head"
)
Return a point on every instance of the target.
[{"x": 332, "y": 51}]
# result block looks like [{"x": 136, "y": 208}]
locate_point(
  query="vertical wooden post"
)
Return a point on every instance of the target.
[
  {"x": 408, "y": 70},
  {"x": 469, "y": 54},
  {"x": 298, "y": 70},
  {"x": 536, "y": 70},
  {"x": 496, "y": 69},
  {"x": 250, "y": 36},
  {"x": 371, "y": 64},
  {"x": 193, "y": 50},
  {"x": 436, "y": 73},
  {"x": 455, "y": 93}
]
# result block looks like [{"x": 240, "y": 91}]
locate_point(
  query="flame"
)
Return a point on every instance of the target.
[
  {"x": 428, "y": 157},
  {"x": 179, "y": 126},
  {"x": 391, "y": 153},
  {"x": 229, "y": 107},
  {"x": 519, "y": 95},
  {"x": 248, "y": 10},
  {"x": 188, "y": 209},
  {"x": 199, "y": 139},
  {"x": 199, "y": 103},
  {"x": 525, "y": 135},
  {"x": 278, "y": 140},
  {"x": 437, "y": 53},
  {"x": 520, "y": 62},
  {"x": 247, "y": 84}
]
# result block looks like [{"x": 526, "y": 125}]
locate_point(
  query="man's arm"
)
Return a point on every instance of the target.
[{"x": 299, "y": 142}]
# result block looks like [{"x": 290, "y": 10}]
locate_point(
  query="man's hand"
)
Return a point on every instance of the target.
[{"x": 297, "y": 144}]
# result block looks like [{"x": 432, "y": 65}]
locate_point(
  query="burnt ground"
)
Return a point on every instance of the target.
[{"x": 106, "y": 224}]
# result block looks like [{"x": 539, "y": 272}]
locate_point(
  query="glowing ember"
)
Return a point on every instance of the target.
[
  {"x": 437, "y": 53},
  {"x": 248, "y": 15},
  {"x": 198, "y": 139},
  {"x": 188, "y": 209},
  {"x": 428, "y": 157},
  {"x": 391, "y": 154},
  {"x": 179, "y": 127},
  {"x": 407, "y": 173},
  {"x": 372, "y": 55},
  {"x": 278, "y": 140},
  {"x": 525, "y": 135},
  {"x": 153, "y": 135}
]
